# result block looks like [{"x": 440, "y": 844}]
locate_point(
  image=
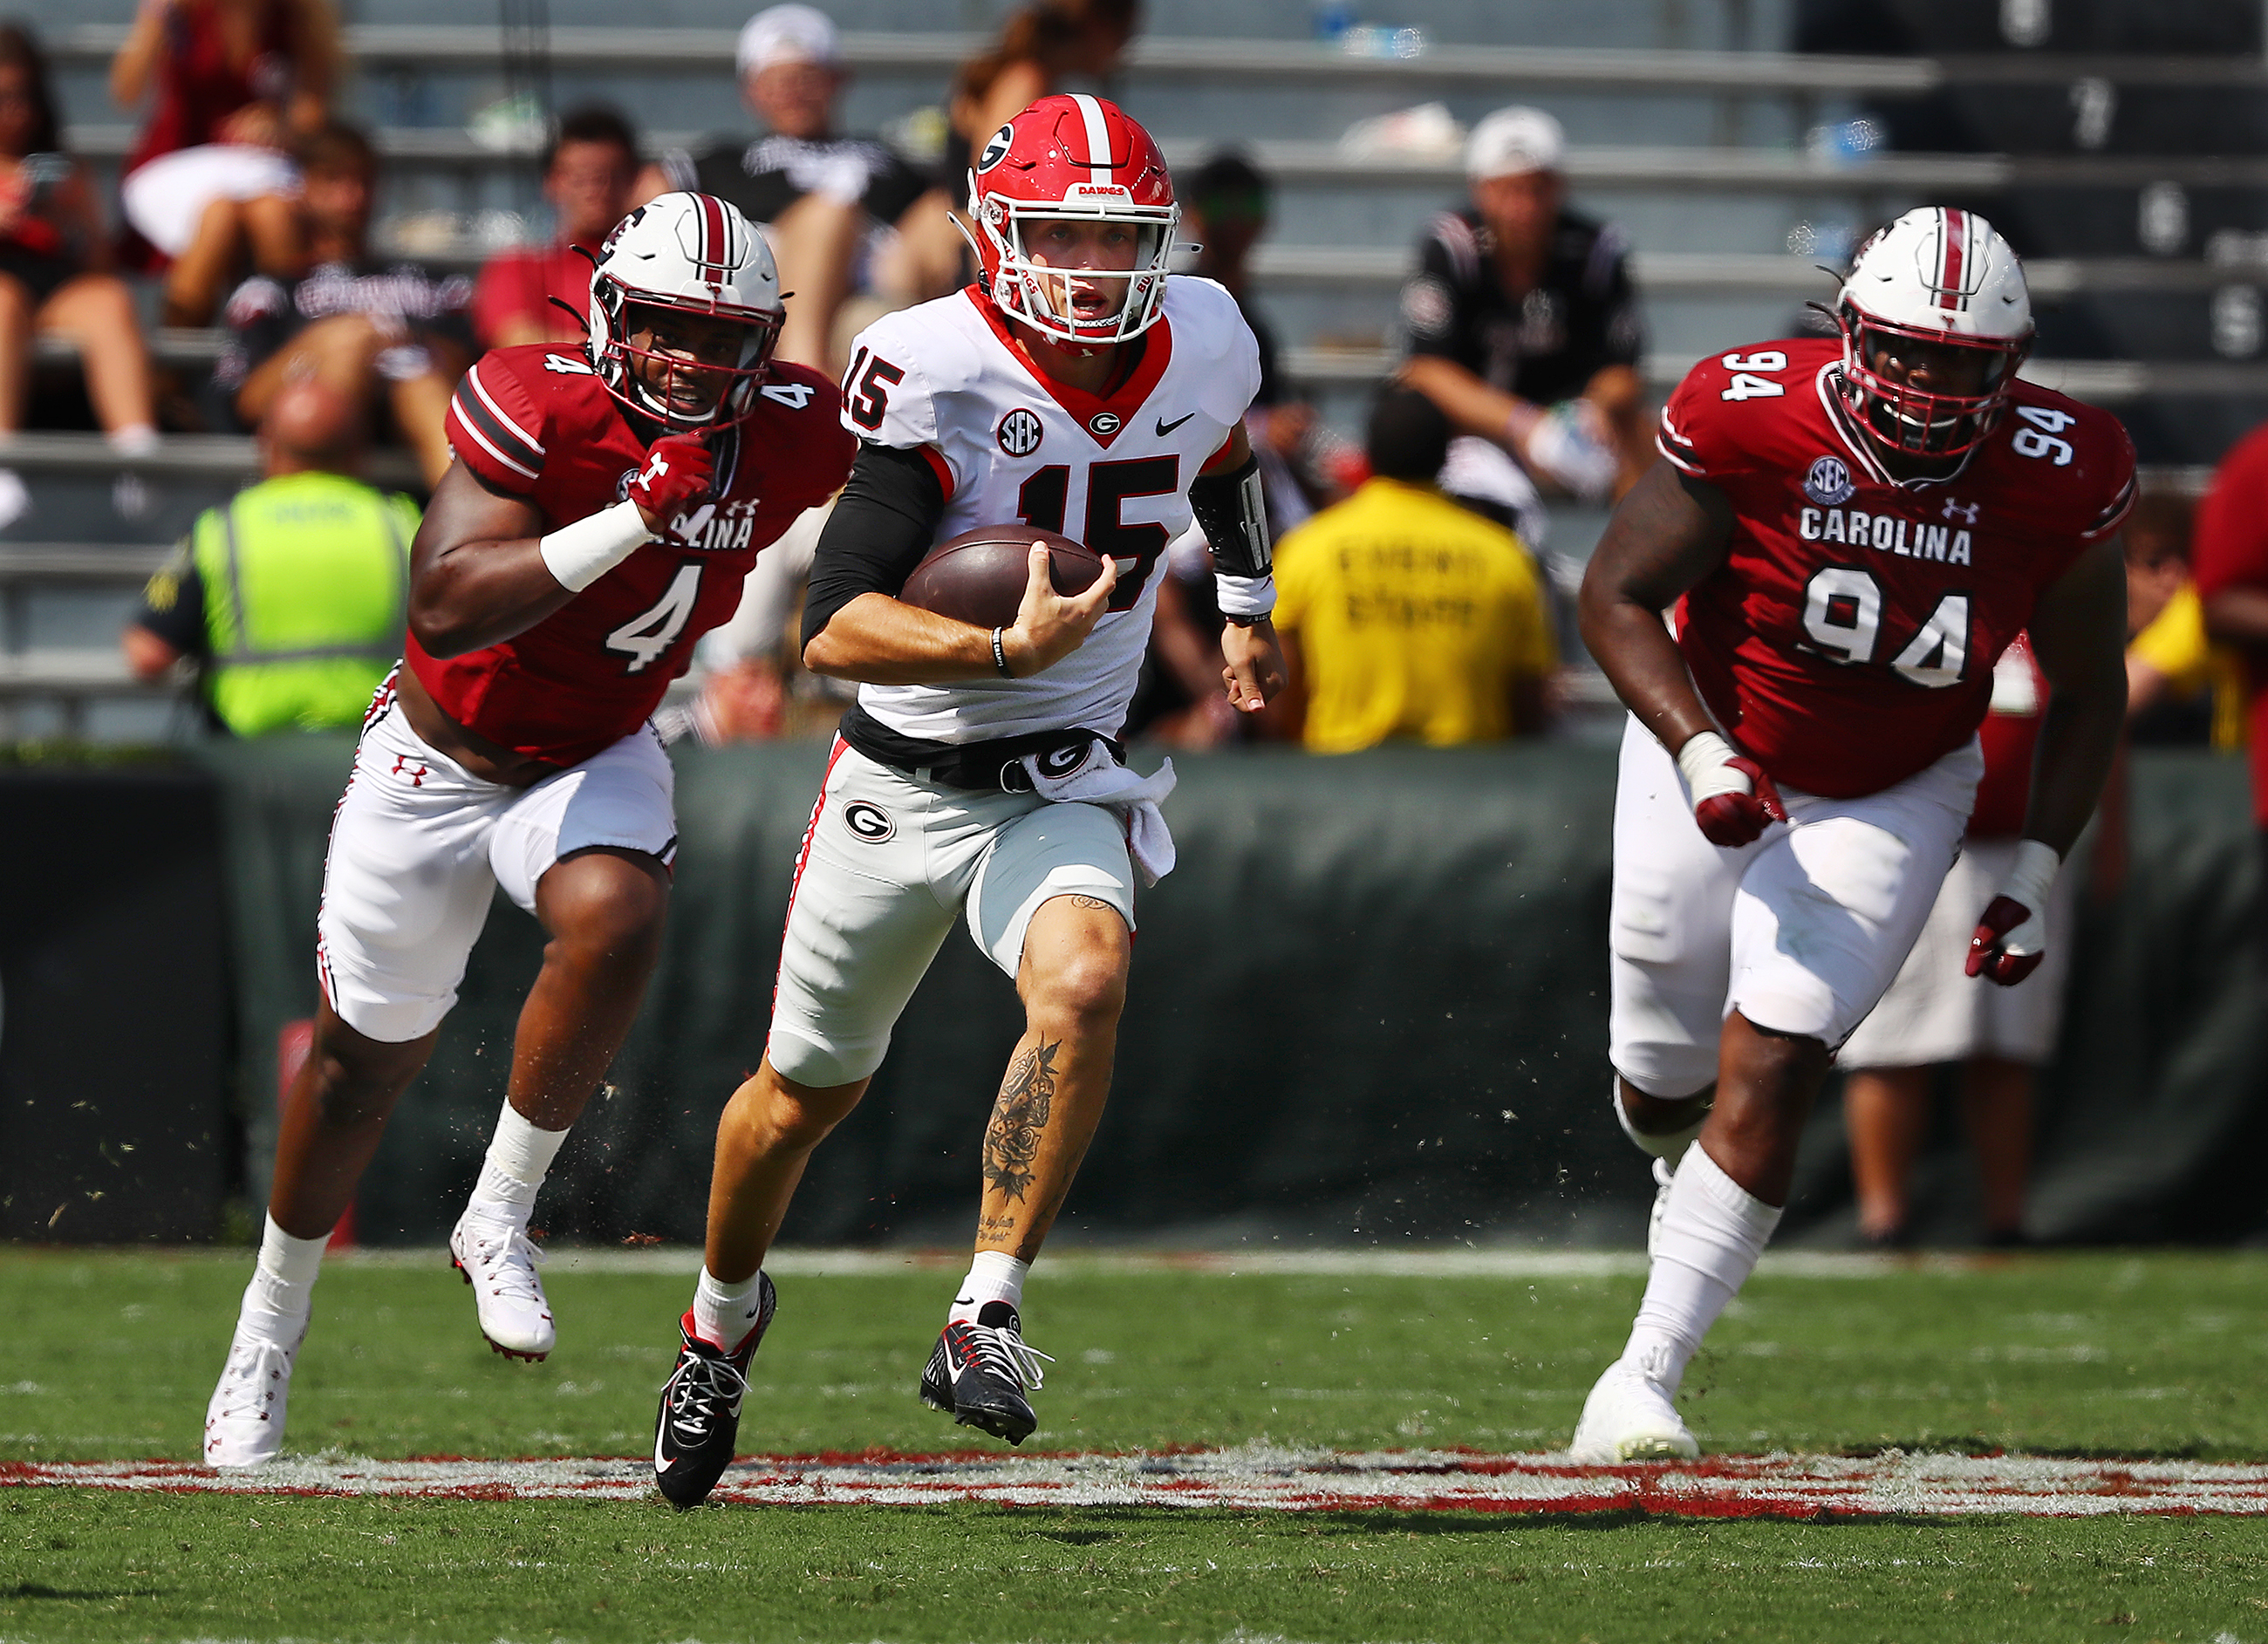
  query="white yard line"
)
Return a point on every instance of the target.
[
  {"x": 1258, "y": 1477},
  {"x": 1424, "y": 1263}
]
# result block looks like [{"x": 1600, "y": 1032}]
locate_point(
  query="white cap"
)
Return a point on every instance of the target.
[
  {"x": 1512, "y": 141},
  {"x": 787, "y": 33}
]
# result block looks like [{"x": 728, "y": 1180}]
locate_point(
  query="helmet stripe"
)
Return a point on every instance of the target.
[
  {"x": 1953, "y": 242},
  {"x": 1098, "y": 136}
]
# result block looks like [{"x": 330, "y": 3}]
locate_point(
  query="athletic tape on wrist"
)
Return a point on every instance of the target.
[
  {"x": 1250, "y": 598},
  {"x": 2032, "y": 876},
  {"x": 580, "y": 553},
  {"x": 1706, "y": 761}
]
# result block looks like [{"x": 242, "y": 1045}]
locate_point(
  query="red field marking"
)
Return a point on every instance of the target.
[{"x": 1263, "y": 1478}]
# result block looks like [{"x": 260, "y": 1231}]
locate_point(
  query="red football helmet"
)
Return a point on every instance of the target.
[
  {"x": 1944, "y": 279},
  {"x": 1073, "y": 157}
]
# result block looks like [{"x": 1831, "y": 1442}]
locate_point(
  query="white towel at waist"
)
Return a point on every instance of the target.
[{"x": 1098, "y": 779}]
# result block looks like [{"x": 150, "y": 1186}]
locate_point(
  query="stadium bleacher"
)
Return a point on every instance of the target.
[{"x": 2128, "y": 169}]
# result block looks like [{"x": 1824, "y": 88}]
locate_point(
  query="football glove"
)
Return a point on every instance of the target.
[
  {"x": 678, "y": 475},
  {"x": 2012, "y": 938},
  {"x": 1733, "y": 800}
]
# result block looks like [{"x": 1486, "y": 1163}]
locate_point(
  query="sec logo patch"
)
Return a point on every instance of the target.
[
  {"x": 869, "y": 822},
  {"x": 1829, "y": 482},
  {"x": 1104, "y": 423},
  {"x": 1020, "y": 432}
]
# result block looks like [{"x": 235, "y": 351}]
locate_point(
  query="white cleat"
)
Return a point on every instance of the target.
[
  {"x": 1626, "y": 1418},
  {"x": 244, "y": 1423},
  {"x": 1662, "y": 1177},
  {"x": 499, "y": 1262}
]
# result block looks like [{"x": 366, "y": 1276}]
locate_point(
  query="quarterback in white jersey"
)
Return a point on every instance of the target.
[{"x": 1077, "y": 390}]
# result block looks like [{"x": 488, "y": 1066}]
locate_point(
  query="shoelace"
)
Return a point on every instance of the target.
[
  {"x": 702, "y": 1381},
  {"x": 493, "y": 1255},
  {"x": 1005, "y": 1353}
]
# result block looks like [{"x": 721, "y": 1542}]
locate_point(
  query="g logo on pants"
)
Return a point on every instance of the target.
[{"x": 869, "y": 822}]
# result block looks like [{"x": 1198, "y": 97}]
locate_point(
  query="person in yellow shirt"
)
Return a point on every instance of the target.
[
  {"x": 1405, "y": 615},
  {"x": 2178, "y": 682}
]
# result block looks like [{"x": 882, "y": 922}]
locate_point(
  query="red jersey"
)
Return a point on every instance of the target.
[
  {"x": 2229, "y": 549},
  {"x": 1848, "y": 639},
  {"x": 536, "y": 422}
]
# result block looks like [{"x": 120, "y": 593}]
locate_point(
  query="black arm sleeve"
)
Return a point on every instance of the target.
[
  {"x": 883, "y": 523},
  {"x": 1234, "y": 516},
  {"x": 174, "y": 605}
]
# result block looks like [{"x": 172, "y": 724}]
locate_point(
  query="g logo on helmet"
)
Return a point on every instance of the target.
[
  {"x": 1020, "y": 432},
  {"x": 995, "y": 150},
  {"x": 869, "y": 822}
]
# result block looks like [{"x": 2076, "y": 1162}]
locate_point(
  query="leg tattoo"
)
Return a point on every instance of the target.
[{"x": 1011, "y": 1140}]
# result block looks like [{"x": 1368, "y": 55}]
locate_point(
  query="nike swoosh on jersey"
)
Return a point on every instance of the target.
[{"x": 1166, "y": 427}]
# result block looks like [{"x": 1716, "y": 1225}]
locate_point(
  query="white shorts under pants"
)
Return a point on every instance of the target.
[
  {"x": 419, "y": 845},
  {"x": 888, "y": 863},
  {"x": 1800, "y": 932},
  {"x": 1934, "y": 1013}
]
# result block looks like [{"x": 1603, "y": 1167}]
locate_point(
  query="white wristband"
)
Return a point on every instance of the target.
[
  {"x": 1246, "y": 597},
  {"x": 580, "y": 553},
  {"x": 2032, "y": 876},
  {"x": 1706, "y": 761}
]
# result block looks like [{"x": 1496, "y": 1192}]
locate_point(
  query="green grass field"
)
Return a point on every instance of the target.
[{"x": 2158, "y": 1355}]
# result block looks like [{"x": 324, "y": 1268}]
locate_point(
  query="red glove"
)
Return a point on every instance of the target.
[
  {"x": 1734, "y": 801},
  {"x": 2011, "y": 939},
  {"x": 679, "y": 473}
]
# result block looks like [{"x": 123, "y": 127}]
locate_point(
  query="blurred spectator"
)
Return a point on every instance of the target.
[
  {"x": 1225, "y": 209},
  {"x": 237, "y": 82},
  {"x": 378, "y": 333},
  {"x": 2230, "y": 556},
  {"x": 291, "y": 596},
  {"x": 818, "y": 197},
  {"x": 1934, "y": 1013},
  {"x": 1041, "y": 46},
  {"x": 1405, "y": 615},
  {"x": 2181, "y": 687},
  {"x": 54, "y": 268},
  {"x": 587, "y": 179},
  {"x": 1523, "y": 326}
]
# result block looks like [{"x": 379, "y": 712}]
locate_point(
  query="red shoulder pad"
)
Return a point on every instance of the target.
[
  {"x": 496, "y": 423},
  {"x": 1711, "y": 425},
  {"x": 811, "y": 449},
  {"x": 2078, "y": 460}
]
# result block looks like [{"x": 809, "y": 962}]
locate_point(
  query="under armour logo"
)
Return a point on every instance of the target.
[
  {"x": 402, "y": 767},
  {"x": 655, "y": 468},
  {"x": 1965, "y": 512}
]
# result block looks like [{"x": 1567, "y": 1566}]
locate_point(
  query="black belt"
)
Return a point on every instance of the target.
[{"x": 995, "y": 766}]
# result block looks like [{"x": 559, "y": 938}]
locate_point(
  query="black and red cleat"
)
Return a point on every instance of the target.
[
  {"x": 700, "y": 1413},
  {"x": 980, "y": 1370}
]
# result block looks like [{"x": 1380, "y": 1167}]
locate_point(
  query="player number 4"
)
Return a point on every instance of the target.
[
  {"x": 650, "y": 633},
  {"x": 2031, "y": 442},
  {"x": 1745, "y": 384}
]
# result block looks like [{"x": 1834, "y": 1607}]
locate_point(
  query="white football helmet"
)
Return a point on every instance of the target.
[
  {"x": 691, "y": 253},
  {"x": 1942, "y": 276}
]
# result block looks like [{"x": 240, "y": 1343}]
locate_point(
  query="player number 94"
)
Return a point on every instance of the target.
[
  {"x": 1745, "y": 384},
  {"x": 2039, "y": 439}
]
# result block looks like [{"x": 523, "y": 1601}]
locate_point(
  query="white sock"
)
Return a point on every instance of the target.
[
  {"x": 724, "y": 1314},
  {"x": 993, "y": 1276},
  {"x": 135, "y": 439},
  {"x": 1711, "y": 1233},
  {"x": 519, "y": 1154},
  {"x": 281, "y": 1292},
  {"x": 1669, "y": 1146}
]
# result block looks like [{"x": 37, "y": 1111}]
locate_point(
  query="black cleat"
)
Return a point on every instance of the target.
[
  {"x": 700, "y": 1413},
  {"x": 979, "y": 1372}
]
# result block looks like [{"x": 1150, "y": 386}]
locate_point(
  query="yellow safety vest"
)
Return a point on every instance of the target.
[{"x": 307, "y": 590}]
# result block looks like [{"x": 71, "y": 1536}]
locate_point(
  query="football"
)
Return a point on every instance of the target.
[{"x": 979, "y": 577}]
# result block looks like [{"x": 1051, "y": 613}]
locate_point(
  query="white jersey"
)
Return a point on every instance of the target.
[{"x": 1012, "y": 447}]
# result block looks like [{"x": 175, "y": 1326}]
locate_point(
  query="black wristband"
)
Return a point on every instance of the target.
[{"x": 1233, "y": 513}]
